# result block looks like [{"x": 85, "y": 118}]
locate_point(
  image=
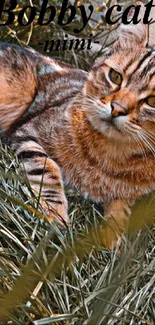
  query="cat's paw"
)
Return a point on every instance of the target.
[
  {"x": 56, "y": 210},
  {"x": 117, "y": 215}
]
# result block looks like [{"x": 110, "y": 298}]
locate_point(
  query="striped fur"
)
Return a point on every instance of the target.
[{"x": 82, "y": 129}]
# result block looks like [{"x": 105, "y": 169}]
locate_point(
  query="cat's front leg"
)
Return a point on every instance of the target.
[
  {"x": 45, "y": 178},
  {"x": 117, "y": 215}
]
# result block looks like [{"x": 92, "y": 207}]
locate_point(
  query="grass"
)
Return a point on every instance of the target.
[{"x": 52, "y": 277}]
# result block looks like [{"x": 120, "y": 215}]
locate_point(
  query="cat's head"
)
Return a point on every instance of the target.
[{"x": 120, "y": 91}]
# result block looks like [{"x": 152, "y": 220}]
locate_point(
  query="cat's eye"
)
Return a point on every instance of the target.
[
  {"x": 151, "y": 101},
  {"x": 115, "y": 77}
]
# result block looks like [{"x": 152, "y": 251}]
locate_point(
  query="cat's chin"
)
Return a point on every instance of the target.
[
  {"x": 109, "y": 127},
  {"x": 104, "y": 125},
  {"x": 112, "y": 131}
]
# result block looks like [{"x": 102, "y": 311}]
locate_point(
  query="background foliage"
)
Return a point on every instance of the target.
[{"x": 49, "y": 276}]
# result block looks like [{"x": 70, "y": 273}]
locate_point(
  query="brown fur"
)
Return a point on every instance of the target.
[
  {"x": 83, "y": 128},
  {"x": 16, "y": 96}
]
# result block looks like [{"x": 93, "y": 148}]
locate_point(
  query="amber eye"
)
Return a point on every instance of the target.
[
  {"x": 151, "y": 101},
  {"x": 115, "y": 77}
]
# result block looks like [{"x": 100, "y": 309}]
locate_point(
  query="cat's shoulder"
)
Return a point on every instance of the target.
[{"x": 17, "y": 57}]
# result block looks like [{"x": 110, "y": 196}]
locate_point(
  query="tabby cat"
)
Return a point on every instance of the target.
[{"x": 94, "y": 131}]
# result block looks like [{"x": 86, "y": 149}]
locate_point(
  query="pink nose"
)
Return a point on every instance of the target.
[{"x": 117, "y": 109}]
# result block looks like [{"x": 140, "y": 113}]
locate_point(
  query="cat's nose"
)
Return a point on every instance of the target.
[{"x": 117, "y": 109}]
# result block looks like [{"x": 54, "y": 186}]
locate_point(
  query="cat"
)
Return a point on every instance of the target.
[{"x": 94, "y": 131}]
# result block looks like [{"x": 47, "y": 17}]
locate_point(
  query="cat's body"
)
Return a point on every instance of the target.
[{"x": 86, "y": 130}]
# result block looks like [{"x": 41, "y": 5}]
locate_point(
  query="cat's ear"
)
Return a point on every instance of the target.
[{"x": 133, "y": 35}]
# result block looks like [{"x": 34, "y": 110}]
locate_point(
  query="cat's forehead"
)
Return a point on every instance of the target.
[
  {"x": 137, "y": 67},
  {"x": 132, "y": 59}
]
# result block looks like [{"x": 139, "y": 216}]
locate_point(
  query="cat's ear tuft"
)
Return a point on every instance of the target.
[{"x": 133, "y": 35}]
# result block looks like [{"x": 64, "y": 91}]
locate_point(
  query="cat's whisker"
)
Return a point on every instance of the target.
[
  {"x": 87, "y": 107},
  {"x": 89, "y": 103},
  {"x": 91, "y": 97},
  {"x": 142, "y": 149},
  {"x": 87, "y": 97},
  {"x": 94, "y": 108},
  {"x": 147, "y": 143},
  {"x": 131, "y": 129},
  {"x": 148, "y": 137},
  {"x": 88, "y": 100},
  {"x": 151, "y": 134}
]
